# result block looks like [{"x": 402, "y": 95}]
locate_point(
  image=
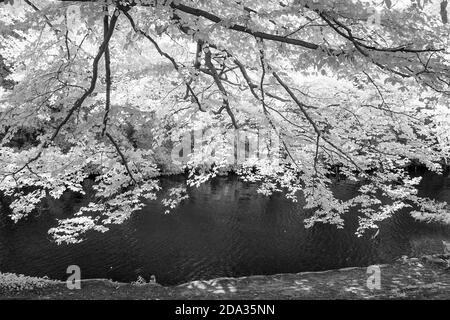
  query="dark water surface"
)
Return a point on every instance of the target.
[{"x": 224, "y": 229}]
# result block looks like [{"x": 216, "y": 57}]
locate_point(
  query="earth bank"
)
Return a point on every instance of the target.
[{"x": 407, "y": 278}]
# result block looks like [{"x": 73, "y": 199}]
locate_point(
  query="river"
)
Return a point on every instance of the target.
[{"x": 224, "y": 229}]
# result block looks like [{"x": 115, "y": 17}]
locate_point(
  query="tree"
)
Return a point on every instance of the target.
[{"x": 109, "y": 87}]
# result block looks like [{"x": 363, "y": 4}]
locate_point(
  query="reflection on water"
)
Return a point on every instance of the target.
[{"x": 224, "y": 229}]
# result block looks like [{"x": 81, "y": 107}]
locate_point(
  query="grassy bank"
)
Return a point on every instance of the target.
[{"x": 407, "y": 278}]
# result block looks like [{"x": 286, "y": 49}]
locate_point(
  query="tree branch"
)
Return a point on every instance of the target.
[
  {"x": 311, "y": 121},
  {"x": 124, "y": 160},
  {"x": 78, "y": 103},
  {"x": 166, "y": 55},
  {"x": 218, "y": 82},
  {"x": 107, "y": 70}
]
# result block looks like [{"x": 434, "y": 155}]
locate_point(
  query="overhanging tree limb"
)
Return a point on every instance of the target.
[
  {"x": 219, "y": 84},
  {"x": 107, "y": 70},
  {"x": 312, "y": 122},
  {"x": 122, "y": 156},
  {"x": 216, "y": 19},
  {"x": 94, "y": 78},
  {"x": 79, "y": 102},
  {"x": 166, "y": 55}
]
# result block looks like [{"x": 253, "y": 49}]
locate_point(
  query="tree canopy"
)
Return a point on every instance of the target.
[{"x": 109, "y": 89}]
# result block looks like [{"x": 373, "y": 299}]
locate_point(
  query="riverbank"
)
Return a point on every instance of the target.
[{"x": 407, "y": 278}]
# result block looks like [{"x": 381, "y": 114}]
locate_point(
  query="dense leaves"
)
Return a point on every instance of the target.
[{"x": 289, "y": 94}]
